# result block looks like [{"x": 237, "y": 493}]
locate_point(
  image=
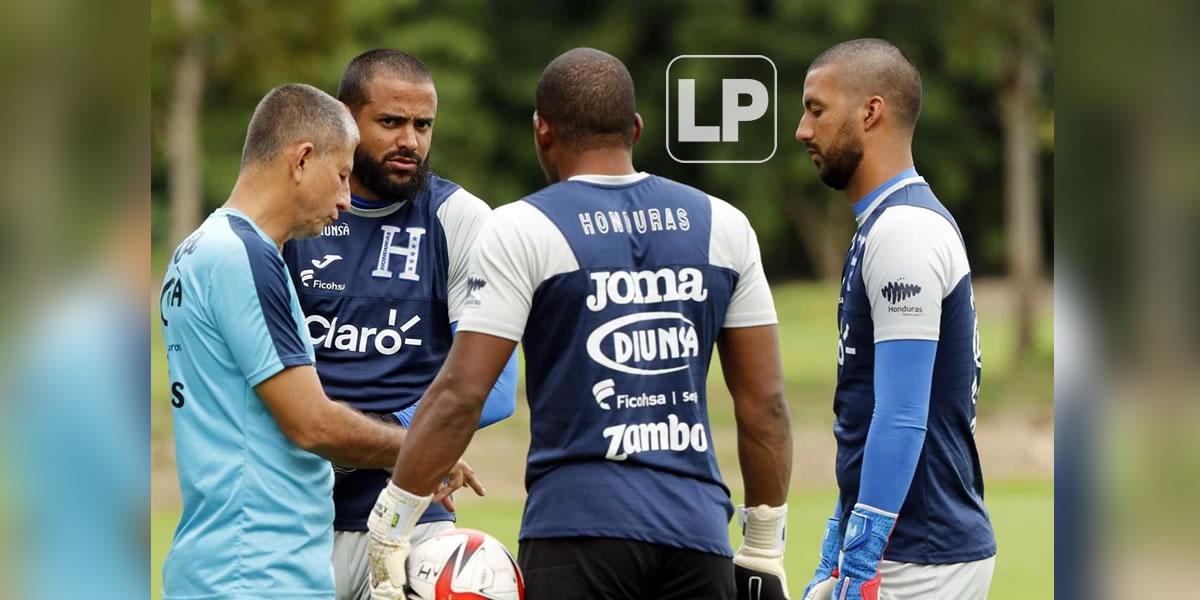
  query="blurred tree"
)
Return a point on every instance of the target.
[
  {"x": 486, "y": 57},
  {"x": 1005, "y": 44},
  {"x": 183, "y": 124}
]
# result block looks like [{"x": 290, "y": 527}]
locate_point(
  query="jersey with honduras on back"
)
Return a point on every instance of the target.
[{"x": 617, "y": 287}]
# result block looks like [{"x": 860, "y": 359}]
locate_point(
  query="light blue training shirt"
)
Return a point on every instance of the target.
[{"x": 257, "y": 516}]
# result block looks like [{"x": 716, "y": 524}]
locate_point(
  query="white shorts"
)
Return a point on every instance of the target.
[
  {"x": 958, "y": 581},
  {"x": 351, "y": 570}
]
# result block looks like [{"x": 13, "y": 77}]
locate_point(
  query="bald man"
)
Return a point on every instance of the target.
[
  {"x": 254, "y": 432},
  {"x": 910, "y": 520},
  {"x": 618, "y": 284}
]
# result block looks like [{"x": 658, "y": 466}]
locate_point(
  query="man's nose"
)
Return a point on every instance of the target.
[
  {"x": 407, "y": 138},
  {"x": 804, "y": 133}
]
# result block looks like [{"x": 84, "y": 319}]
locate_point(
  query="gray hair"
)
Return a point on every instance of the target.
[{"x": 296, "y": 112}]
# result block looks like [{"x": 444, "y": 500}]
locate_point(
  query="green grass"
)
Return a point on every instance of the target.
[{"x": 1022, "y": 514}]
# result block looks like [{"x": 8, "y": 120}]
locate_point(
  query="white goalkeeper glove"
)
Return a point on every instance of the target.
[
  {"x": 758, "y": 564},
  {"x": 390, "y": 525}
]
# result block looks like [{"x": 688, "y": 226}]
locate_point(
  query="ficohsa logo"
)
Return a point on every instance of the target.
[{"x": 645, "y": 343}]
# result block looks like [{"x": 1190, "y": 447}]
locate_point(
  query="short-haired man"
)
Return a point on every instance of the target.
[
  {"x": 618, "y": 284},
  {"x": 910, "y": 521},
  {"x": 253, "y": 430},
  {"x": 383, "y": 289}
]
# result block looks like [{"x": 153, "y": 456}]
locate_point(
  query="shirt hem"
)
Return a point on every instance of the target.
[
  {"x": 756, "y": 320},
  {"x": 292, "y": 360},
  {"x": 911, "y": 334},
  {"x": 723, "y": 551},
  {"x": 272, "y": 595},
  {"x": 488, "y": 327},
  {"x": 942, "y": 559}
]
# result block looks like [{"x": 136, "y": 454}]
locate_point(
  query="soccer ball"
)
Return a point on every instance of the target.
[{"x": 463, "y": 564}]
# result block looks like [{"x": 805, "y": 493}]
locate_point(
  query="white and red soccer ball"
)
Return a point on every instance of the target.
[{"x": 463, "y": 564}]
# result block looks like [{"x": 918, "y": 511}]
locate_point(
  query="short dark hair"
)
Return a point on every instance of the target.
[
  {"x": 296, "y": 112},
  {"x": 363, "y": 68},
  {"x": 587, "y": 95},
  {"x": 877, "y": 67}
]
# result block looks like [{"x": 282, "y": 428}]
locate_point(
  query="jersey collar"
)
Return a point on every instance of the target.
[
  {"x": 373, "y": 208},
  {"x": 225, "y": 210},
  {"x": 610, "y": 179},
  {"x": 865, "y": 206}
]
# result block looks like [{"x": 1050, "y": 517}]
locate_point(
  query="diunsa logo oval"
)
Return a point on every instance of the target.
[{"x": 650, "y": 343}]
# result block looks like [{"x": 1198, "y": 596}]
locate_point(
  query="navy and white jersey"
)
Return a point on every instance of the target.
[
  {"x": 256, "y": 508},
  {"x": 907, "y": 277},
  {"x": 380, "y": 288},
  {"x": 617, "y": 287}
]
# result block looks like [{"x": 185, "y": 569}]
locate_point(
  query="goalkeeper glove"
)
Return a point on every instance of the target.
[
  {"x": 867, "y": 535},
  {"x": 818, "y": 588},
  {"x": 758, "y": 564},
  {"x": 390, "y": 525}
]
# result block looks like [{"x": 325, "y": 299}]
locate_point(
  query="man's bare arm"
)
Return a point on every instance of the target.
[
  {"x": 750, "y": 361},
  {"x": 449, "y": 410},
  {"x": 326, "y": 428}
]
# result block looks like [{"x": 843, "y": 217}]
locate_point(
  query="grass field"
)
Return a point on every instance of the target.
[
  {"x": 1020, "y": 501},
  {"x": 1022, "y": 513}
]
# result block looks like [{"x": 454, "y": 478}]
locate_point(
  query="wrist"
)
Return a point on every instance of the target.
[
  {"x": 867, "y": 534},
  {"x": 764, "y": 529},
  {"x": 396, "y": 512},
  {"x": 831, "y": 546}
]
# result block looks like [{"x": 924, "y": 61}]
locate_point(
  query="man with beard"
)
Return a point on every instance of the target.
[
  {"x": 618, "y": 284},
  {"x": 910, "y": 521},
  {"x": 385, "y": 284}
]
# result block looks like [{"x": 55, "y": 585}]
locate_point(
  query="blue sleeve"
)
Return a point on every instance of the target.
[
  {"x": 500, "y": 402},
  {"x": 251, "y": 300},
  {"x": 903, "y": 379}
]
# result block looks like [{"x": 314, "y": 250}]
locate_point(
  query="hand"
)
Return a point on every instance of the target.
[
  {"x": 867, "y": 535},
  {"x": 821, "y": 586},
  {"x": 462, "y": 474},
  {"x": 390, "y": 525},
  {"x": 821, "y": 591},
  {"x": 758, "y": 564}
]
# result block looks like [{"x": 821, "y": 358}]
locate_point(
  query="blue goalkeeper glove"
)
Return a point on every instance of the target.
[
  {"x": 827, "y": 567},
  {"x": 867, "y": 535}
]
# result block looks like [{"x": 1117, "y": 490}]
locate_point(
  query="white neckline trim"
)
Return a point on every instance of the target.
[
  {"x": 382, "y": 211},
  {"x": 610, "y": 179},
  {"x": 903, "y": 183}
]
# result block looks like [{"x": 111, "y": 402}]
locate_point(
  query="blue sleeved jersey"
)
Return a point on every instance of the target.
[
  {"x": 257, "y": 512},
  {"x": 617, "y": 288},
  {"x": 906, "y": 277},
  {"x": 381, "y": 286}
]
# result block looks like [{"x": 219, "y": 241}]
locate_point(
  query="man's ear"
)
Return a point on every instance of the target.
[
  {"x": 543, "y": 134},
  {"x": 637, "y": 127},
  {"x": 299, "y": 159},
  {"x": 873, "y": 112}
]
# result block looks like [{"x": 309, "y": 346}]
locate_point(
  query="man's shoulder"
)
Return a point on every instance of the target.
[
  {"x": 457, "y": 202},
  {"x": 231, "y": 249},
  {"x": 914, "y": 224},
  {"x": 215, "y": 243}
]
